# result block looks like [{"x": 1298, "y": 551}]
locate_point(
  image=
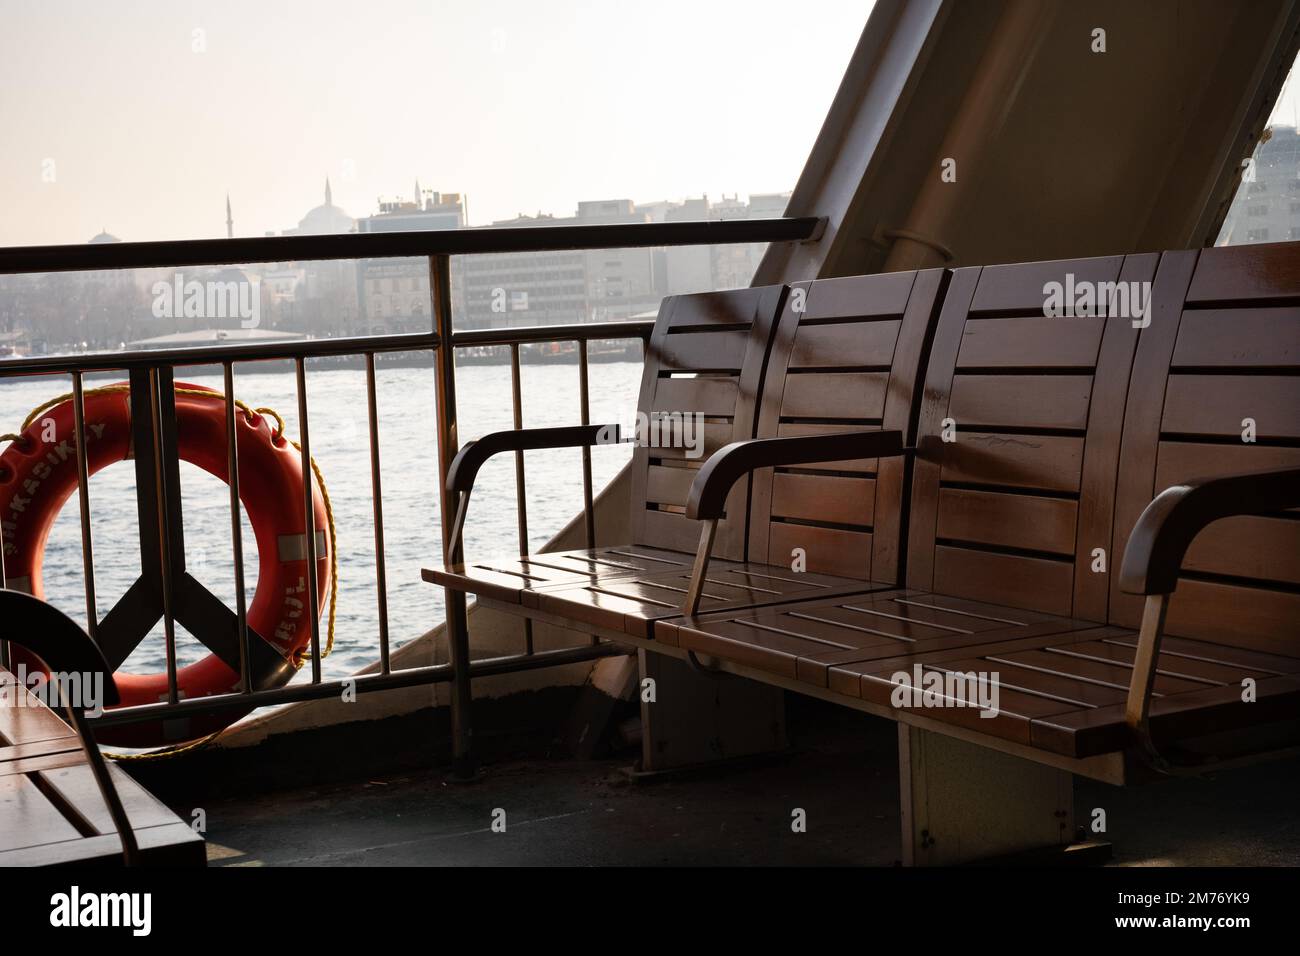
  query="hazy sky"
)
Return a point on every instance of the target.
[{"x": 522, "y": 105}]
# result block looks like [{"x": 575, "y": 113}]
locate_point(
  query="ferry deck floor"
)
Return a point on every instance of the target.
[{"x": 842, "y": 772}]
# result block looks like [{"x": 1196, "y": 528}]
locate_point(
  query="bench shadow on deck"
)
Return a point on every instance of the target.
[{"x": 843, "y": 772}]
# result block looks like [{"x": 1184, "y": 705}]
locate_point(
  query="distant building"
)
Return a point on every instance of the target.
[
  {"x": 319, "y": 296},
  {"x": 395, "y": 292},
  {"x": 706, "y": 268},
  {"x": 549, "y": 288},
  {"x": 13, "y": 344},
  {"x": 1268, "y": 209}
]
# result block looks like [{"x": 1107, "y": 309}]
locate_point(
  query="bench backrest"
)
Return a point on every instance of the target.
[
  {"x": 705, "y": 357},
  {"x": 1019, "y": 507},
  {"x": 846, "y": 356},
  {"x": 1223, "y": 346}
]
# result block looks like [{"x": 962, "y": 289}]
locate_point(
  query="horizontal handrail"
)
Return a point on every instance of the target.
[
  {"x": 216, "y": 354},
  {"x": 360, "y": 683},
  {"x": 394, "y": 245},
  {"x": 318, "y": 348},
  {"x": 570, "y": 332}
]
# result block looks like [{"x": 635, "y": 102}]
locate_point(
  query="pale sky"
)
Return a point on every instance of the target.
[{"x": 521, "y": 105}]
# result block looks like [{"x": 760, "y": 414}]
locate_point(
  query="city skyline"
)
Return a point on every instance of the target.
[{"x": 229, "y": 209}]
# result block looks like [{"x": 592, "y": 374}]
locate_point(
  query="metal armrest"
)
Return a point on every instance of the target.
[
  {"x": 65, "y": 648},
  {"x": 465, "y": 466},
  {"x": 1154, "y": 555},
  {"x": 727, "y": 465},
  {"x": 730, "y": 463}
]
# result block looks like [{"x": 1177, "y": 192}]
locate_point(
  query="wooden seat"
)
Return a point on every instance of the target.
[
  {"x": 1017, "y": 525},
  {"x": 60, "y": 803},
  {"x": 1061, "y": 682},
  {"x": 705, "y": 357},
  {"x": 1223, "y": 348},
  {"x": 844, "y": 358},
  {"x": 52, "y": 812}
]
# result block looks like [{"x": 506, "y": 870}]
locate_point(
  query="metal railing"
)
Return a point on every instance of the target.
[{"x": 152, "y": 399}]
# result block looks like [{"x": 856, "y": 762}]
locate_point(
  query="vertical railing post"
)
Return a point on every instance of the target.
[
  {"x": 521, "y": 494},
  {"x": 236, "y": 528},
  {"x": 158, "y": 381},
  {"x": 5, "y": 660},
  {"x": 377, "y": 497},
  {"x": 448, "y": 444},
  {"x": 309, "y": 517},
  {"x": 584, "y": 411},
  {"x": 83, "y": 500}
]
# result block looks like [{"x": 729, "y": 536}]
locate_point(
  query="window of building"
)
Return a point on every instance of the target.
[{"x": 1274, "y": 168}]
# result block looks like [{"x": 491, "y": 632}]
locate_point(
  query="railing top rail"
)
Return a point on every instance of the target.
[
  {"x": 215, "y": 354},
  {"x": 571, "y": 332},
  {"x": 386, "y": 245},
  {"x": 316, "y": 348}
]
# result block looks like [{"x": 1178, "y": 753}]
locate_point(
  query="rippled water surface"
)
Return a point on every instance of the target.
[{"x": 337, "y": 409}]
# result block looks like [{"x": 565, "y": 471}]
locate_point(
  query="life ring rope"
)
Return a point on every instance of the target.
[{"x": 301, "y": 657}]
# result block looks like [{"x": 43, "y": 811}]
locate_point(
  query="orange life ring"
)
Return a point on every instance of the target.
[{"x": 37, "y": 477}]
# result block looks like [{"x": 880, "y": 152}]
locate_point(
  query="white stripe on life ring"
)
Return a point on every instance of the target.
[{"x": 293, "y": 547}]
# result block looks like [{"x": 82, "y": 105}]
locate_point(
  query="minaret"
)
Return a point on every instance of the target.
[
  {"x": 329, "y": 196},
  {"x": 230, "y": 220},
  {"x": 419, "y": 203}
]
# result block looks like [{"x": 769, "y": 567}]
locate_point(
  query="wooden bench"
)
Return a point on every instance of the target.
[
  {"x": 1053, "y": 450},
  {"x": 1046, "y": 447},
  {"x": 851, "y": 351},
  {"x": 60, "y": 802}
]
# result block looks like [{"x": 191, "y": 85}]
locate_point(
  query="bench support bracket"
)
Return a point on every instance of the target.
[
  {"x": 962, "y": 802},
  {"x": 698, "y": 719}
]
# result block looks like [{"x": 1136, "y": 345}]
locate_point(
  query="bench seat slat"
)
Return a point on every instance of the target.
[
  {"x": 847, "y": 395},
  {"x": 1041, "y": 462},
  {"x": 857, "y": 344},
  {"x": 1239, "y": 338},
  {"x": 1062, "y": 682},
  {"x": 704, "y": 350},
  {"x": 633, "y": 603},
  {"x": 1020, "y": 342},
  {"x": 1012, "y": 521},
  {"x": 1021, "y": 401},
  {"x": 712, "y": 396},
  {"x": 1031, "y": 582},
  {"x": 1217, "y": 405},
  {"x": 506, "y": 578}
]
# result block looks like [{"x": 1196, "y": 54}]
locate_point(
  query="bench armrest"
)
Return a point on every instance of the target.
[
  {"x": 1177, "y": 515},
  {"x": 730, "y": 463},
  {"x": 1152, "y": 560},
  {"x": 727, "y": 465},
  {"x": 66, "y": 649},
  {"x": 464, "y": 467}
]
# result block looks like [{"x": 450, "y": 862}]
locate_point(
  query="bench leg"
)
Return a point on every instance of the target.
[
  {"x": 962, "y": 802},
  {"x": 698, "y": 718}
]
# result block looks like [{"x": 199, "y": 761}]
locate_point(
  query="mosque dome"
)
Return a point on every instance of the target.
[{"x": 326, "y": 219}]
